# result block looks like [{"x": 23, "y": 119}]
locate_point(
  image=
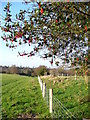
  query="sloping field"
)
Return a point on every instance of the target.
[
  {"x": 73, "y": 94},
  {"x": 22, "y": 98}
]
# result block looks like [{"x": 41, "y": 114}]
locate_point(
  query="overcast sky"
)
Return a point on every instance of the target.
[{"x": 9, "y": 57}]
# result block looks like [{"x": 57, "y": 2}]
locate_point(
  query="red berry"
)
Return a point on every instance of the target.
[
  {"x": 44, "y": 40},
  {"x": 35, "y": 38},
  {"x": 49, "y": 48},
  {"x": 20, "y": 35},
  {"x": 51, "y": 61},
  {"x": 41, "y": 10},
  {"x": 35, "y": 49},
  {"x": 29, "y": 41},
  {"x": 77, "y": 59},
  {"x": 86, "y": 28},
  {"x": 56, "y": 21},
  {"x": 5, "y": 30},
  {"x": 86, "y": 59},
  {"x": 16, "y": 36},
  {"x": 30, "y": 54}
]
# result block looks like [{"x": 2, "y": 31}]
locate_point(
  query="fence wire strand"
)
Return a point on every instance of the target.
[{"x": 59, "y": 110}]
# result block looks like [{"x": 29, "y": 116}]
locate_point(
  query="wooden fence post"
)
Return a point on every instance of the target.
[
  {"x": 44, "y": 89},
  {"x": 41, "y": 85},
  {"x": 39, "y": 79},
  {"x": 50, "y": 100}
]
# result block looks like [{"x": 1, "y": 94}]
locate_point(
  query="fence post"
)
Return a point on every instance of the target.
[
  {"x": 50, "y": 100},
  {"x": 44, "y": 89},
  {"x": 41, "y": 85}
]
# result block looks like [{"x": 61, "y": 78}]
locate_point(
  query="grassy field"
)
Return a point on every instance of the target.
[
  {"x": 72, "y": 93},
  {"x": 22, "y": 98}
]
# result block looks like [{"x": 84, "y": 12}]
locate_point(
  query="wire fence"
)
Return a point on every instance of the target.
[
  {"x": 60, "y": 111},
  {"x": 56, "y": 108}
]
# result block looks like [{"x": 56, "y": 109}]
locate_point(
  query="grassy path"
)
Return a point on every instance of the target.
[{"x": 22, "y": 97}]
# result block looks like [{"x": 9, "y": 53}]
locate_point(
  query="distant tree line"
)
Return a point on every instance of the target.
[
  {"x": 16, "y": 70},
  {"x": 41, "y": 70}
]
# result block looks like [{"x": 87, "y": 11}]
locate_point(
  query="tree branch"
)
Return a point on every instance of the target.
[{"x": 81, "y": 11}]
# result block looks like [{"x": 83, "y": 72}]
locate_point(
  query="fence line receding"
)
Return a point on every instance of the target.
[{"x": 56, "y": 108}]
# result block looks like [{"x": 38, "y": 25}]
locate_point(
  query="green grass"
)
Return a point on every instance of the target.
[
  {"x": 72, "y": 93},
  {"x": 21, "y": 96}
]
